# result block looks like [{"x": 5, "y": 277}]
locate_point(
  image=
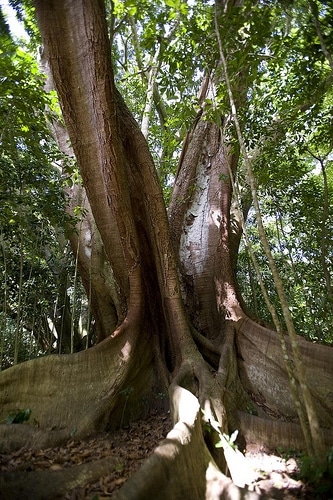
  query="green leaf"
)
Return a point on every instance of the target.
[{"x": 18, "y": 416}]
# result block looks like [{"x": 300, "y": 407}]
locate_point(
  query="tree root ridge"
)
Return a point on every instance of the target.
[
  {"x": 182, "y": 466},
  {"x": 101, "y": 384},
  {"x": 16, "y": 485},
  {"x": 262, "y": 370},
  {"x": 276, "y": 433},
  {"x": 13, "y": 437},
  {"x": 23, "y": 468}
]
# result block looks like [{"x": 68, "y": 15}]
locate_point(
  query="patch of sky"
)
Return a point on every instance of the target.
[{"x": 16, "y": 27}]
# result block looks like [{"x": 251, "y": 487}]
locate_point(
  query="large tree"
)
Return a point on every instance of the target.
[{"x": 169, "y": 313}]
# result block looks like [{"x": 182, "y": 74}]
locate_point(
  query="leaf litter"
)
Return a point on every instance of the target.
[{"x": 127, "y": 449}]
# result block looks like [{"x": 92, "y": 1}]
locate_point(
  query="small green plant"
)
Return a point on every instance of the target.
[
  {"x": 318, "y": 476},
  {"x": 227, "y": 440},
  {"x": 18, "y": 416},
  {"x": 119, "y": 467},
  {"x": 239, "y": 468}
]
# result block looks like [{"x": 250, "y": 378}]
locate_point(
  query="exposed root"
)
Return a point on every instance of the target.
[{"x": 37, "y": 484}]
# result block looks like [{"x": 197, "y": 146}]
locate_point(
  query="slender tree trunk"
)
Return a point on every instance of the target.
[{"x": 85, "y": 240}]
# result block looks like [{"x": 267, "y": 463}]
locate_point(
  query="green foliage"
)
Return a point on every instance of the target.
[
  {"x": 180, "y": 32},
  {"x": 319, "y": 477},
  {"x": 32, "y": 207},
  {"x": 293, "y": 220},
  {"x": 28, "y": 346},
  {"x": 287, "y": 121},
  {"x": 18, "y": 416},
  {"x": 227, "y": 440}
]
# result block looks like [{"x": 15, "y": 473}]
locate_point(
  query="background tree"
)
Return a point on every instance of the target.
[{"x": 33, "y": 247}]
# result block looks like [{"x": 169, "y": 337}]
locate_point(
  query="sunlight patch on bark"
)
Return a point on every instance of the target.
[
  {"x": 219, "y": 487},
  {"x": 195, "y": 237},
  {"x": 227, "y": 300},
  {"x": 207, "y": 412},
  {"x": 216, "y": 217},
  {"x": 167, "y": 450},
  {"x": 215, "y": 481},
  {"x": 126, "y": 351},
  {"x": 240, "y": 470},
  {"x": 87, "y": 243},
  {"x": 185, "y": 406},
  {"x": 181, "y": 433}
]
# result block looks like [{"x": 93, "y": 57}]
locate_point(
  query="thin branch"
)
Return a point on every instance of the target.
[{"x": 314, "y": 10}]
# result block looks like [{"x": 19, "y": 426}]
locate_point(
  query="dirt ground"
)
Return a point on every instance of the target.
[{"x": 106, "y": 461}]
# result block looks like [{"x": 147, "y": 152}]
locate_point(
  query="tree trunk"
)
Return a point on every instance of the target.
[{"x": 179, "y": 320}]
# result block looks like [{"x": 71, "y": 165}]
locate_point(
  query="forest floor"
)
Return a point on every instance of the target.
[{"x": 115, "y": 457}]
